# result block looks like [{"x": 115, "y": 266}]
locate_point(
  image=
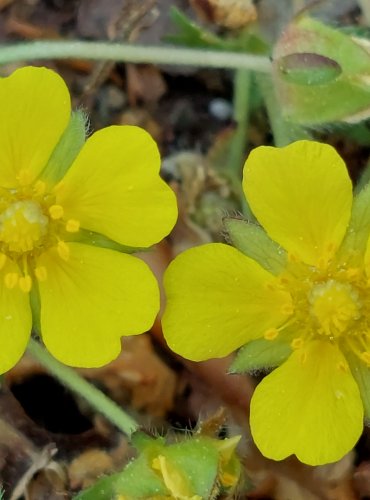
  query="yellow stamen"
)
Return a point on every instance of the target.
[
  {"x": 25, "y": 283},
  {"x": 63, "y": 250},
  {"x": 56, "y": 212},
  {"x": 11, "y": 280},
  {"x": 39, "y": 188},
  {"x": 73, "y": 225},
  {"x": 297, "y": 343},
  {"x": 271, "y": 334},
  {"x": 41, "y": 273}
]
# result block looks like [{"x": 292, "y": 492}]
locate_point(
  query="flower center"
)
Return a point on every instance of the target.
[
  {"x": 31, "y": 222},
  {"x": 23, "y": 226},
  {"x": 334, "y": 306}
]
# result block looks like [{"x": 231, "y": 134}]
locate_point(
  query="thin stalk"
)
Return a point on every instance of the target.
[
  {"x": 242, "y": 86},
  {"x": 51, "y": 49},
  {"x": 284, "y": 132},
  {"x": 71, "y": 379}
]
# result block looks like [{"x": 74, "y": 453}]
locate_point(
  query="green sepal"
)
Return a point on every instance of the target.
[
  {"x": 143, "y": 441},
  {"x": 253, "y": 241},
  {"x": 197, "y": 458},
  {"x": 260, "y": 354},
  {"x": 338, "y": 89},
  {"x": 35, "y": 304},
  {"x": 99, "y": 240},
  {"x": 361, "y": 373},
  {"x": 67, "y": 149},
  {"x": 354, "y": 244},
  {"x": 137, "y": 481}
]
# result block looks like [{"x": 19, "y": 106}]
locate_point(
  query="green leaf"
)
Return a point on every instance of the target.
[
  {"x": 260, "y": 354},
  {"x": 67, "y": 148},
  {"x": 253, "y": 241},
  {"x": 354, "y": 243},
  {"x": 191, "y": 34}
]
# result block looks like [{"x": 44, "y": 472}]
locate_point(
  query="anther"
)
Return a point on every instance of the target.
[
  {"x": 271, "y": 334},
  {"x": 56, "y": 212},
  {"x": 25, "y": 283},
  {"x": 297, "y": 343},
  {"x": 63, "y": 250},
  {"x": 39, "y": 188},
  {"x": 11, "y": 280},
  {"x": 41, "y": 273},
  {"x": 72, "y": 226}
]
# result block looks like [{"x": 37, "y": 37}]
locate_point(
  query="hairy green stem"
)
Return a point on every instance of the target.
[
  {"x": 71, "y": 379},
  {"x": 242, "y": 86},
  {"x": 50, "y": 49}
]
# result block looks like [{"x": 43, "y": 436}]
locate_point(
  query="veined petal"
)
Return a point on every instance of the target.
[
  {"x": 217, "y": 300},
  {"x": 310, "y": 406},
  {"x": 89, "y": 301},
  {"x": 122, "y": 197},
  {"x": 301, "y": 194},
  {"x": 15, "y": 321},
  {"x": 35, "y": 110}
]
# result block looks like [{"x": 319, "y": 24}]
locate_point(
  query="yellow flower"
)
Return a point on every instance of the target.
[
  {"x": 299, "y": 298},
  {"x": 90, "y": 296}
]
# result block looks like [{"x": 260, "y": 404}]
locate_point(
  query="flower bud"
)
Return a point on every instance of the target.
[{"x": 321, "y": 74}]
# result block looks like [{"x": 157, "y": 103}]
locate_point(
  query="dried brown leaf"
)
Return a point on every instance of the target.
[{"x": 232, "y": 14}]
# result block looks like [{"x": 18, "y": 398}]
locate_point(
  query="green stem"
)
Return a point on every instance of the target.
[
  {"x": 97, "y": 399},
  {"x": 242, "y": 85},
  {"x": 284, "y": 132},
  {"x": 131, "y": 53}
]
